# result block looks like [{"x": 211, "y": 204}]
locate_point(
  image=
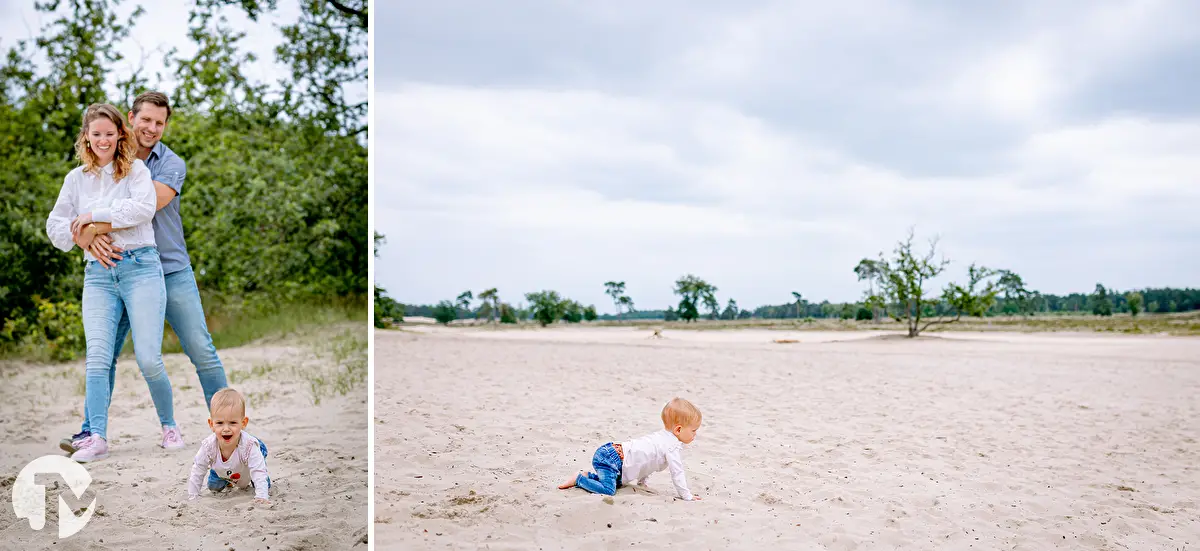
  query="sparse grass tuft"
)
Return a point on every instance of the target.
[
  {"x": 233, "y": 323},
  {"x": 257, "y": 372},
  {"x": 259, "y": 398},
  {"x": 347, "y": 353}
]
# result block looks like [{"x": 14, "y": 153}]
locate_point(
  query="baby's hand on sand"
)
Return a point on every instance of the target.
[{"x": 261, "y": 501}]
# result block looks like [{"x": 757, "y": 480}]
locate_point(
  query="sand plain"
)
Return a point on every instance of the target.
[
  {"x": 842, "y": 440},
  {"x": 317, "y": 452}
]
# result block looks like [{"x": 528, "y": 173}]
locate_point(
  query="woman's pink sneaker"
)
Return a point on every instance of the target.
[
  {"x": 172, "y": 438},
  {"x": 92, "y": 448}
]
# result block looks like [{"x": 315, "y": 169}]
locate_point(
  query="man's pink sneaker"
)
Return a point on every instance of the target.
[
  {"x": 172, "y": 438},
  {"x": 92, "y": 448}
]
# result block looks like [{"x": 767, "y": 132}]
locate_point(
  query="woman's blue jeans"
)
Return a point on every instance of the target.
[
  {"x": 186, "y": 316},
  {"x": 607, "y": 477},
  {"x": 133, "y": 287}
]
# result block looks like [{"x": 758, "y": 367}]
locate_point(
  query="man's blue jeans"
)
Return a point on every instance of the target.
[
  {"x": 133, "y": 290},
  {"x": 607, "y": 477},
  {"x": 186, "y": 316}
]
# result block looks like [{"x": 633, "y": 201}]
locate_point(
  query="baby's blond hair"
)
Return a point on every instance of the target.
[
  {"x": 228, "y": 397},
  {"x": 680, "y": 412}
]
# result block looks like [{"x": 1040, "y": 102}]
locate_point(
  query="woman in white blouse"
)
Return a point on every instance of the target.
[{"x": 113, "y": 186}]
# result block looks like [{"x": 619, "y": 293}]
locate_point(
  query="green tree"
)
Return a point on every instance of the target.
[
  {"x": 731, "y": 310},
  {"x": 872, "y": 272},
  {"x": 903, "y": 281},
  {"x": 213, "y": 81},
  {"x": 386, "y": 308},
  {"x": 799, "y": 304},
  {"x": 877, "y": 306},
  {"x": 1101, "y": 304},
  {"x": 1015, "y": 292},
  {"x": 848, "y": 310},
  {"x": 616, "y": 290},
  {"x": 326, "y": 50},
  {"x": 445, "y": 312},
  {"x": 714, "y": 306},
  {"x": 692, "y": 291},
  {"x": 589, "y": 313},
  {"x": 971, "y": 300},
  {"x": 626, "y": 303},
  {"x": 572, "y": 311},
  {"x": 463, "y": 301},
  {"x": 491, "y": 296},
  {"x": 547, "y": 306},
  {"x": 1135, "y": 303},
  {"x": 507, "y": 314}
]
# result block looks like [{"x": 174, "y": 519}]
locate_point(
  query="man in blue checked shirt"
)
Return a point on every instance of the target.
[{"x": 149, "y": 116}]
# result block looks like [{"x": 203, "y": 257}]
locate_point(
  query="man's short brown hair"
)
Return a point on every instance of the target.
[{"x": 154, "y": 98}]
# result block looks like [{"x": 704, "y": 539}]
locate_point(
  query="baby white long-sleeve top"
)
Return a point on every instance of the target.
[
  {"x": 653, "y": 453},
  {"x": 128, "y": 205},
  {"x": 245, "y": 465}
]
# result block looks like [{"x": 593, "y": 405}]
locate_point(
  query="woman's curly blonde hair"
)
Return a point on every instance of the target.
[{"x": 126, "y": 145}]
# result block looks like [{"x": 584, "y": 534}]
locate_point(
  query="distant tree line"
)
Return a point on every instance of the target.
[
  {"x": 897, "y": 288},
  {"x": 1158, "y": 301}
]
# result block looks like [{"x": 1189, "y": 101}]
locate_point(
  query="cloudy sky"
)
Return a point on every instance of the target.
[
  {"x": 768, "y": 146},
  {"x": 163, "y": 25}
]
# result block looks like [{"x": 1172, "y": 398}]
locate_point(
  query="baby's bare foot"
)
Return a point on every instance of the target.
[{"x": 570, "y": 483}]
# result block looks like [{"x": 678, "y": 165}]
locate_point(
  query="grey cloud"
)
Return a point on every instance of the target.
[
  {"x": 841, "y": 82},
  {"x": 524, "y": 42},
  {"x": 1164, "y": 86}
]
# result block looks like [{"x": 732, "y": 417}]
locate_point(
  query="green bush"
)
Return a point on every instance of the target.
[
  {"x": 55, "y": 334},
  {"x": 572, "y": 312},
  {"x": 507, "y": 315},
  {"x": 863, "y": 314},
  {"x": 445, "y": 312}
]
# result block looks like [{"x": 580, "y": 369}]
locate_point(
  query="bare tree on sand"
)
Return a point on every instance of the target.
[
  {"x": 464, "y": 301},
  {"x": 626, "y": 302},
  {"x": 616, "y": 290}
]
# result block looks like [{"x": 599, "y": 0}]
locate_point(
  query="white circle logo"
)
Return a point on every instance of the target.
[{"x": 29, "y": 493}]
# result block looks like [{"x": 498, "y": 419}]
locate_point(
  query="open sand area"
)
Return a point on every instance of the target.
[
  {"x": 840, "y": 441},
  {"x": 316, "y": 453}
]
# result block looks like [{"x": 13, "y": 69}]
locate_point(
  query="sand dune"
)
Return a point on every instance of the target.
[
  {"x": 841, "y": 441},
  {"x": 316, "y": 453}
]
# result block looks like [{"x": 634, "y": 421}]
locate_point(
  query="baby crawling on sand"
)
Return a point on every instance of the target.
[
  {"x": 638, "y": 459},
  {"x": 230, "y": 457}
]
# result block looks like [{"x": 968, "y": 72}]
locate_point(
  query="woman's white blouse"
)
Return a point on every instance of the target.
[{"x": 128, "y": 205}]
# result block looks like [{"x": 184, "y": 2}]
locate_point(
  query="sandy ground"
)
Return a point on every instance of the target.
[
  {"x": 841, "y": 441},
  {"x": 316, "y": 452}
]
